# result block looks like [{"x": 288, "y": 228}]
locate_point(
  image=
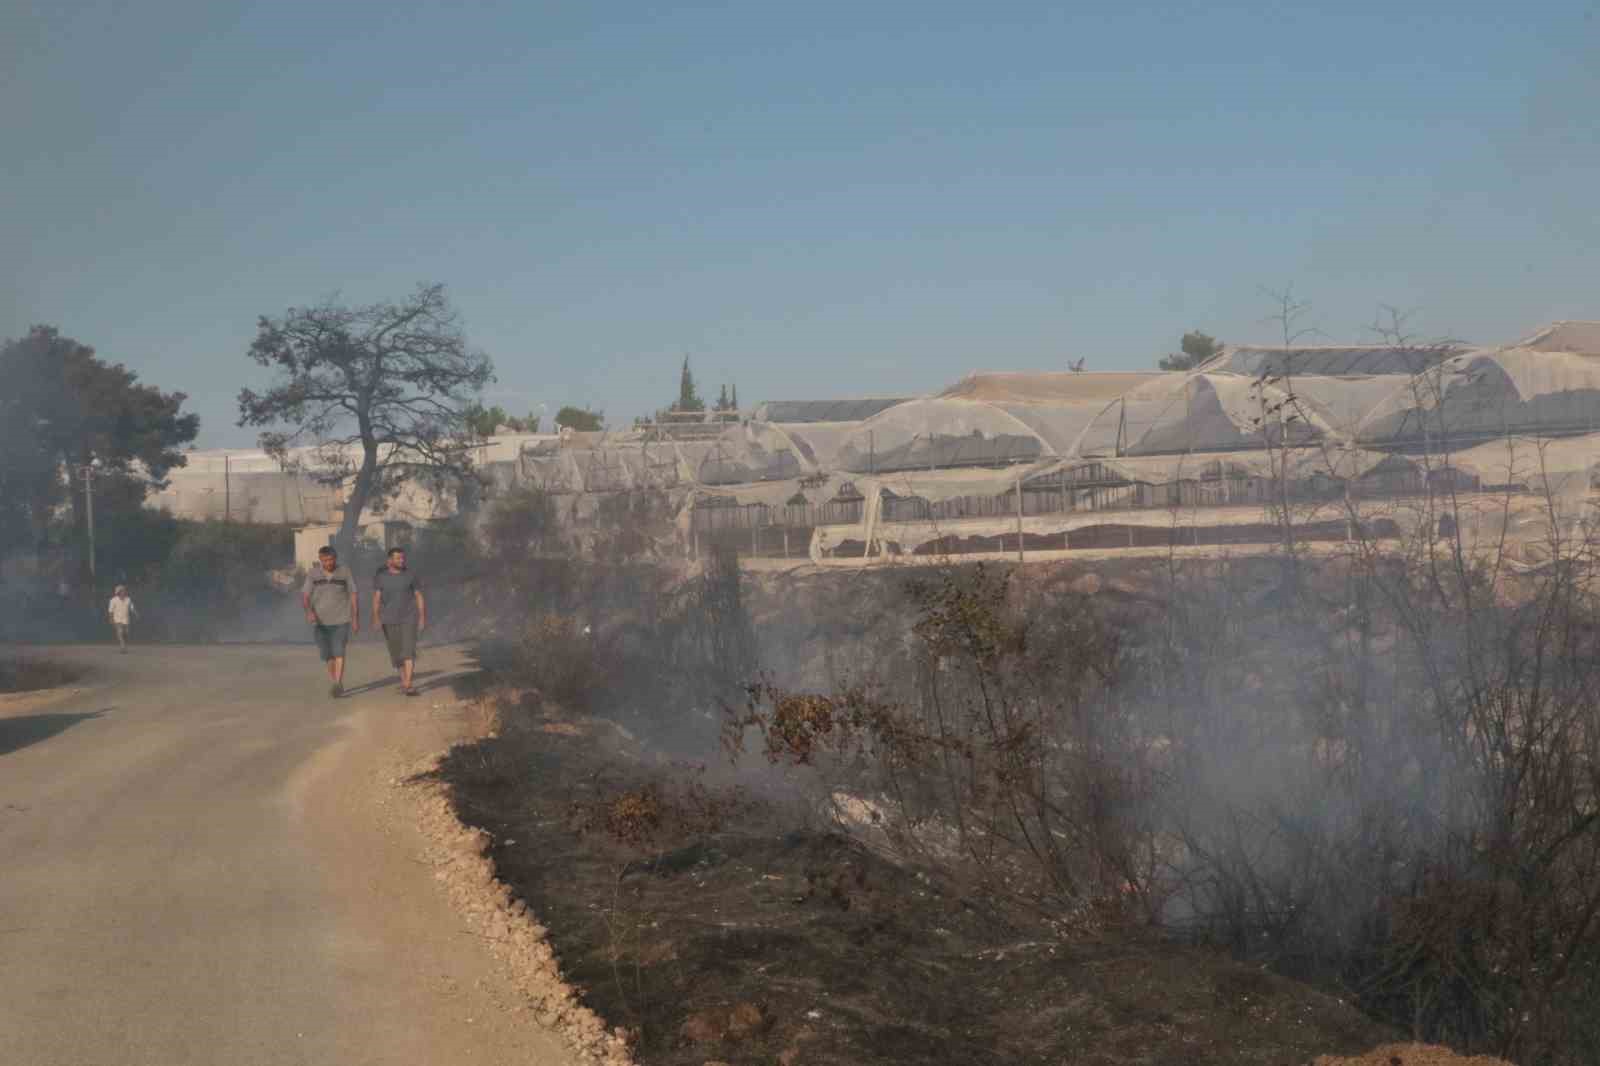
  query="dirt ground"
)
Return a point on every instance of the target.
[{"x": 755, "y": 944}]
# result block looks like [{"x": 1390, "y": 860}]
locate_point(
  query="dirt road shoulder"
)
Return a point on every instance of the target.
[{"x": 455, "y": 945}]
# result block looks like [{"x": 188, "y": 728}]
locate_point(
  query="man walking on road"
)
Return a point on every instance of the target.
[
  {"x": 121, "y": 612},
  {"x": 397, "y": 603},
  {"x": 329, "y": 597}
]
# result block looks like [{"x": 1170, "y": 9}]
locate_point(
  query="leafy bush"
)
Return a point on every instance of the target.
[{"x": 215, "y": 577}]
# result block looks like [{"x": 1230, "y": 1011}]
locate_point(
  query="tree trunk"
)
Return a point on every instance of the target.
[
  {"x": 360, "y": 492},
  {"x": 79, "y": 519}
]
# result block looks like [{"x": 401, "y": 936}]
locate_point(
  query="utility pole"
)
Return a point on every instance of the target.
[
  {"x": 227, "y": 488},
  {"x": 88, "y": 503},
  {"x": 1019, "y": 520}
]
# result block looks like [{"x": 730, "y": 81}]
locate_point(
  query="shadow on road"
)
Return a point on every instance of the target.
[
  {"x": 371, "y": 686},
  {"x": 435, "y": 679},
  {"x": 393, "y": 680},
  {"x": 24, "y": 730}
]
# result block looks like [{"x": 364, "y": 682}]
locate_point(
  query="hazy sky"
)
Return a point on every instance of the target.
[{"x": 813, "y": 200}]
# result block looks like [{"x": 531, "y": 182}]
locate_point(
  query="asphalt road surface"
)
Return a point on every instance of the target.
[{"x": 203, "y": 859}]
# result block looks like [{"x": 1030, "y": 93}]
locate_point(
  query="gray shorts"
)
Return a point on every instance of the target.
[
  {"x": 402, "y": 639},
  {"x": 331, "y": 640}
]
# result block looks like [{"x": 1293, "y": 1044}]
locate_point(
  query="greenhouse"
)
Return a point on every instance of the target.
[{"x": 1062, "y": 461}]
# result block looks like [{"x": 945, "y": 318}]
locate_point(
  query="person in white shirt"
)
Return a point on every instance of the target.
[{"x": 121, "y": 612}]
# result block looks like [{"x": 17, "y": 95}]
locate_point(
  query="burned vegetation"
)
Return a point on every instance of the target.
[
  {"x": 718, "y": 918},
  {"x": 1250, "y": 809}
]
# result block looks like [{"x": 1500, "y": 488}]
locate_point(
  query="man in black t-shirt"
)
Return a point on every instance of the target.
[{"x": 398, "y": 604}]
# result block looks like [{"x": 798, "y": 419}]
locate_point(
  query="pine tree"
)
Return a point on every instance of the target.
[{"x": 688, "y": 396}]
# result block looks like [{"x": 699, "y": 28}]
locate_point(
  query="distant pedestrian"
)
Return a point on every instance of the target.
[
  {"x": 332, "y": 608},
  {"x": 121, "y": 613},
  {"x": 398, "y": 604}
]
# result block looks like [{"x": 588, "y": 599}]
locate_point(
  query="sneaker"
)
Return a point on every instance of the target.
[
  {"x": 412, "y": 692},
  {"x": 336, "y": 690}
]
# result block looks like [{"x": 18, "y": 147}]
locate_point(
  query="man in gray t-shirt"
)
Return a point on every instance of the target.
[
  {"x": 398, "y": 604},
  {"x": 329, "y": 597}
]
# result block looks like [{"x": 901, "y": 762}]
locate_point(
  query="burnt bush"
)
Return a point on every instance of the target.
[
  {"x": 1379, "y": 773},
  {"x": 618, "y": 633},
  {"x": 992, "y": 740},
  {"x": 1383, "y": 776},
  {"x": 1376, "y": 771}
]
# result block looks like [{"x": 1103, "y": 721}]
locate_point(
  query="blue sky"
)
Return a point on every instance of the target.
[{"x": 812, "y": 200}]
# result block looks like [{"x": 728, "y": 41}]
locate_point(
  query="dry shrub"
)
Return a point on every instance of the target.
[
  {"x": 1383, "y": 777},
  {"x": 670, "y": 810},
  {"x": 993, "y": 745},
  {"x": 611, "y": 632},
  {"x": 1379, "y": 774},
  {"x": 633, "y": 817},
  {"x": 554, "y": 653}
]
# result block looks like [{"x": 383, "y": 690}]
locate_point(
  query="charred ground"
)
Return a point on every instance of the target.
[
  {"x": 759, "y": 942},
  {"x": 988, "y": 813}
]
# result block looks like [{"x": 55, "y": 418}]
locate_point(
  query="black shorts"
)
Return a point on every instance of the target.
[
  {"x": 402, "y": 639},
  {"x": 331, "y": 640}
]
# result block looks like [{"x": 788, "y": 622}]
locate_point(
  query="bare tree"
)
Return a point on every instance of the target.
[
  {"x": 381, "y": 392},
  {"x": 1281, "y": 420}
]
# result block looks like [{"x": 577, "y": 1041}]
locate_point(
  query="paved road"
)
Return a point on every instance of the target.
[{"x": 202, "y": 860}]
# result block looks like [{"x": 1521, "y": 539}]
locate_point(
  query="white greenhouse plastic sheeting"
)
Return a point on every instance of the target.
[
  {"x": 1083, "y": 448},
  {"x": 273, "y": 498},
  {"x": 1048, "y": 386},
  {"x": 1088, "y": 449},
  {"x": 1328, "y": 360},
  {"x": 1487, "y": 394},
  {"x": 1580, "y": 338},
  {"x": 249, "y": 485}
]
